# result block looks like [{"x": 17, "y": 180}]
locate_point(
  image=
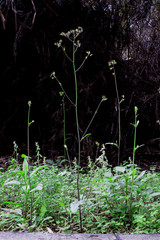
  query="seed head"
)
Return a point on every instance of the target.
[{"x": 53, "y": 75}]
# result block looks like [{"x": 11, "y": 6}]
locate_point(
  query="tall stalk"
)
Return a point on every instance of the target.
[
  {"x": 62, "y": 94},
  {"x": 72, "y": 37},
  {"x": 133, "y": 161},
  {"x": 76, "y": 105},
  {"x": 111, "y": 65},
  {"x": 28, "y": 125},
  {"x": 28, "y": 138},
  {"x": 78, "y": 133},
  {"x": 136, "y": 122},
  {"x": 64, "y": 126},
  {"x": 119, "y": 116}
]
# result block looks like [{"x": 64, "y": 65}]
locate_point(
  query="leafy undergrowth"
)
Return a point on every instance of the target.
[{"x": 120, "y": 199}]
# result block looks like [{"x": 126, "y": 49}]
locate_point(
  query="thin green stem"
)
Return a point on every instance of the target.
[
  {"x": 28, "y": 125},
  {"x": 64, "y": 126},
  {"x": 29, "y": 180},
  {"x": 76, "y": 106},
  {"x": 64, "y": 91},
  {"x": 66, "y": 54},
  {"x": 81, "y": 64},
  {"x": 78, "y": 134},
  {"x": 92, "y": 119},
  {"x": 135, "y": 135},
  {"x": 119, "y": 115},
  {"x": 133, "y": 160}
]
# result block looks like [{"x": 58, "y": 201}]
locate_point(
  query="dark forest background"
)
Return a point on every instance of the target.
[{"x": 127, "y": 31}]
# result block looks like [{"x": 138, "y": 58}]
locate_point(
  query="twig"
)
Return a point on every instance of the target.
[
  {"x": 55, "y": 13},
  {"x": 15, "y": 16},
  {"x": 35, "y": 12},
  {"x": 64, "y": 91},
  {"x": 3, "y": 19},
  {"x": 81, "y": 64}
]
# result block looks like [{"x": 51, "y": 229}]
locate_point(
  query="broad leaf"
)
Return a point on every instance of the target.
[
  {"x": 25, "y": 166},
  {"x": 134, "y": 171},
  {"x": 75, "y": 205}
]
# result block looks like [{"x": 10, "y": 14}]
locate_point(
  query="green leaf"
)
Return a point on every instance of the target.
[
  {"x": 120, "y": 169},
  {"x": 12, "y": 182},
  {"x": 36, "y": 170},
  {"x": 30, "y": 123},
  {"x": 20, "y": 172},
  {"x": 111, "y": 143},
  {"x": 134, "y": 171},
  {"x": 155, "y": 194},
  {"x": 85, "y": 136},
  {"x": 138, "y": 146},
  {"x": 13, "y": 211},
  {"x": 37, "y": 200},
  {"x": 23, "y": 156},
  {"x": 108, "y": 174},
  {"x": 75, "y": 205},
  {"x": 26, "y": 188},
  {"x": 25, "y": 166},
  {"x": 39, "y": 187},
  {"x": 47, "y": 218},
  {"x": 43, "y": 210},
  {"x": 143, "y": 185},
  {"x": 62, "y": 204},
  {"x": 15, "y": 204},
  {"x": 140, "y": 175}
]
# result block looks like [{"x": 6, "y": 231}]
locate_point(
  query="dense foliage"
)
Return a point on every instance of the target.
[
  {"x": 120, "y": 199},
  {"x": 127, "y": 31}
]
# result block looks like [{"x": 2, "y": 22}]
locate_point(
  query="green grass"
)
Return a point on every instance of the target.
[{"x": 104, "y": 199}]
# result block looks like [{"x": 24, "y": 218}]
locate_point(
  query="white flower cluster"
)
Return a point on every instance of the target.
[
  {"x": 72, "y": 33},
  {"x": 111, "y": 64}
]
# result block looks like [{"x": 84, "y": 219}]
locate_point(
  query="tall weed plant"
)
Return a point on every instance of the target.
[
  {"x": 72, "y": 36},
  {"x": 22, "y": 182}
]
